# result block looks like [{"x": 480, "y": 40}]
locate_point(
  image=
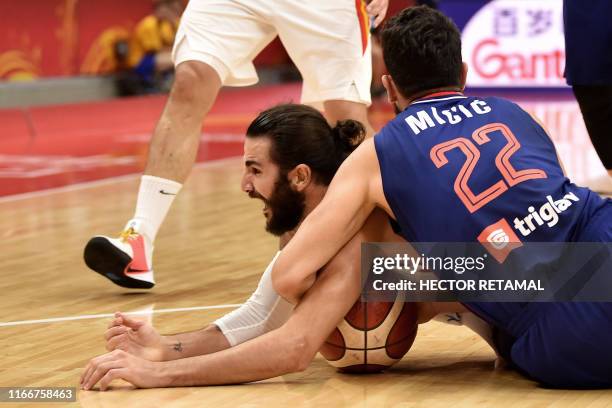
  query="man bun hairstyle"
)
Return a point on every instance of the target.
[
  {"x": 348, "y": 134},
  {"x": 422, "y": 50},
  {"x": 301, "y": 135}
]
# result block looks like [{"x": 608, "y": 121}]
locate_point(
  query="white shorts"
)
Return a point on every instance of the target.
[{"x": 328, "y": 40}]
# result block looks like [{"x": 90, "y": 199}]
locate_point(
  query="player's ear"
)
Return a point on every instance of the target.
[
  {"x": 300, "y": 177},
  {"x": 464, "y": 72},
  {"x": 390, "y": 87}
]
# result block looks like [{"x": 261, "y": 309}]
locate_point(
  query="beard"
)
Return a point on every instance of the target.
[{"x": 285, "y": 205}]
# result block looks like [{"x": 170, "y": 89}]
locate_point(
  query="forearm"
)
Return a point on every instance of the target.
[
  {"x": 204, "y": 341},
  {"x": 267, "y": 356},
  {"x": 289, "y": 348}
]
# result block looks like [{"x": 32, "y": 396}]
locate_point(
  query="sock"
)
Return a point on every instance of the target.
[{"x": 155, "y": 197}]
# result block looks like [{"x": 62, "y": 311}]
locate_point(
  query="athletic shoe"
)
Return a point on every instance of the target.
[{"x": 126, "y": 260}]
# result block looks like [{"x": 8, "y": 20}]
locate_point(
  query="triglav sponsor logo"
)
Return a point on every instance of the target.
[{"x": 547, "y": 214}]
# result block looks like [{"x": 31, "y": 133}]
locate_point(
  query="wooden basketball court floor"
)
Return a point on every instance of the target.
[{"x": 209, "y": 255}]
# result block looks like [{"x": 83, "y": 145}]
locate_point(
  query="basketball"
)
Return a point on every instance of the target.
[{"x": 372, "y": 336}]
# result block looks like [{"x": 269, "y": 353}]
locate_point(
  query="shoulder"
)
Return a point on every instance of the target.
[
  {"x": 390, "y": 132},
  {"x": 397, "y": 122}
]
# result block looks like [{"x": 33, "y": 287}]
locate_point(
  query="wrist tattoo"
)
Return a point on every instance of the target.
[{"x": 178, "y": 347}]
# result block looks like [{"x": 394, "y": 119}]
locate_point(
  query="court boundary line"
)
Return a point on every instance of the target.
[
  {"x": 107, "y": 315},
  {"x": 101, "y": 182}
]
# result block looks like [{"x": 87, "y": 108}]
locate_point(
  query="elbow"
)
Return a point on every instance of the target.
[
  {"x": 286, "y": 289},
  {"x": 301, "y": 354},
  {"x": 287, "y": 285}
]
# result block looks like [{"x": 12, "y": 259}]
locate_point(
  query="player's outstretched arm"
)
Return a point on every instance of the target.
[
  {"x": 287, "y": 349},
  {"x": 342, "y": 212},
  {"x": 290, "y": 348},
  {"x": 261, "y": 313}
]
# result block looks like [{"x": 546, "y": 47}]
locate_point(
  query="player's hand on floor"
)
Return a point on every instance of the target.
[
  {"x": 119, "y": 364},
  {"x": 377, "y": 9},
  {"x": 135, "y": 337}
]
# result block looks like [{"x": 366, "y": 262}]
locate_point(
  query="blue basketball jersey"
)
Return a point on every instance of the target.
[{"x": 462, "y": 169}]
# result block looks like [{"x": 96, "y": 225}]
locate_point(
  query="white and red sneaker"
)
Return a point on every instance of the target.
[{"x": 126, "y": 260}]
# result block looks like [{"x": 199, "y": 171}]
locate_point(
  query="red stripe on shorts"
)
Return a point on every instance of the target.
[{"x": 364, "y": 23}]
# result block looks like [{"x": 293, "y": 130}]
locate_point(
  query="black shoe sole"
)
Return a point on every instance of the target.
[{"x": 109, "y": 261}]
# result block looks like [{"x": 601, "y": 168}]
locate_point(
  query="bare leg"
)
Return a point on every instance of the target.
[
  {"x": 127, "y": 261},
  {"x": 175, "y": 142},
  {"x": 336, "y": 110}
]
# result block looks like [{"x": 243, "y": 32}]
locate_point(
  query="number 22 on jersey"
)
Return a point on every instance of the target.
[{"x": 511, "y": 176}]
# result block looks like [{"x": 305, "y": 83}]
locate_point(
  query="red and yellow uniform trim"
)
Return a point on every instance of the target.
[{"x": 364, "y": 23}]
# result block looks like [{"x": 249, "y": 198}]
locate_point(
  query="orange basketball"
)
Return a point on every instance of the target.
[{"x": 372, "y": 337}]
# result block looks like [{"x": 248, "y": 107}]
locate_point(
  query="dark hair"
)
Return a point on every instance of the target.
[
  {"x": 301, "y": 135},
  {"x": 422, "y": 50}
]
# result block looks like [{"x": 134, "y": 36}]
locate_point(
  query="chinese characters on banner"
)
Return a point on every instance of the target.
[{"x": 510, "y": 43}]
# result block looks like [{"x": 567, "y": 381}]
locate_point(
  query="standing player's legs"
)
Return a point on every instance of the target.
[
  {"x": 330, "y": 45},
  {"x": 127, "y": 260},
  {"x": 215, "y": 45},
  {"x": 176, "y": 137}
]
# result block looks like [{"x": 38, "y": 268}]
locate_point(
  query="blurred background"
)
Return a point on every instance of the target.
[{"x": 80, "y": 92}]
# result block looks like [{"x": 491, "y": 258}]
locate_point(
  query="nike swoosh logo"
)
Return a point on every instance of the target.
[{"x": 165, "y": 192}]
